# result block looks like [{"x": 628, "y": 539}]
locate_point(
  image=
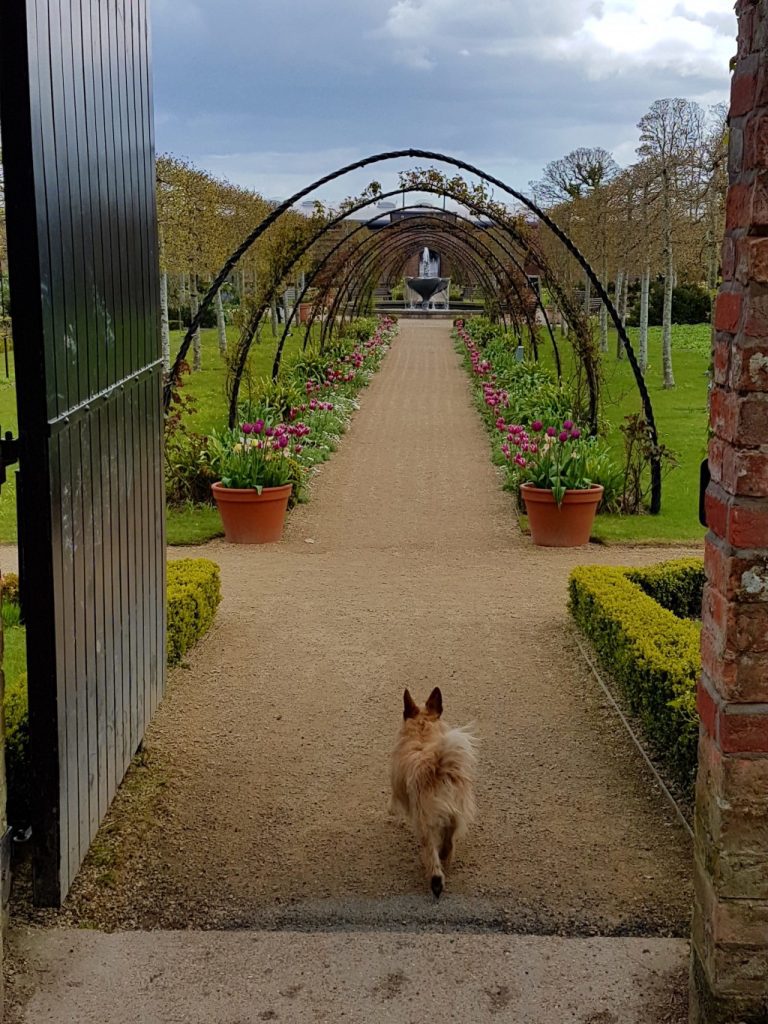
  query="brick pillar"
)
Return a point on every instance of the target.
[{"x": 729, "y": 974}]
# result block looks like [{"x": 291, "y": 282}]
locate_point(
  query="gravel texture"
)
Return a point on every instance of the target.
[{"x": 261, "y": 800}]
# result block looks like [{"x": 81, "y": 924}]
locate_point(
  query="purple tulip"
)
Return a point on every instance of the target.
[
  {"x": 575, "y": 433},
  {"x": 247, "y": 428},
  {"x": 258, "y": 426},
  {"x": 283, "y": 440},
  {"x": 537, "y": 425},
  {"x": 270, "y": 431},
  {"x": 568, "y": 424},
  {"x": 563, "y": 436},
  {"x": 551, "y": 432}
]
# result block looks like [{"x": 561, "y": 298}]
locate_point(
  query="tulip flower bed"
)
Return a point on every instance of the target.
[
  {"x": 311, "y": 428},
  {"x": 527, "y": 413},
  {"x": 305, "y": 411}
]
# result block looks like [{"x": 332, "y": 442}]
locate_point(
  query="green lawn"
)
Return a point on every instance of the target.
[
  {"x": 208, "y": 386},
  {"x": 681, "y": 420}
]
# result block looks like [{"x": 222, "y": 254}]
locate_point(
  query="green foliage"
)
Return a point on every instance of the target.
[
  {"x": 651, "y": 653},
  {"x": 16, "y": 723},
  {"x": 360, "y": 329},
  {"x": 194, "y": 593},
  {"x": 691, "y": 304},
  {"x": 17, "y": 749},
  {"x": 10, "y": 612},
  {"x": 188, "y": 476},
  {"x": 482, "y": 330},
  {"x": 677, "y": 585},
  {"x": 276, "y": 397}
]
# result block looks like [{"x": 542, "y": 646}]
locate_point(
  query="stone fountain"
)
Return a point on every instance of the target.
[{"x": 428, "y": 284}]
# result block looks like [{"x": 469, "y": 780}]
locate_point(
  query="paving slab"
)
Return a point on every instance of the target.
[{"x": 240, "y": 977}]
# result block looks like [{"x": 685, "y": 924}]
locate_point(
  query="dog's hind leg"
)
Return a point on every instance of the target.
[
  {"x": 447, "y": 846},
  {"x": 428, "y": 845}
]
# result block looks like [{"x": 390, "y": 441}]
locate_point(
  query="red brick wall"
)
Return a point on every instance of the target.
[{"x": 730, "y": 921}]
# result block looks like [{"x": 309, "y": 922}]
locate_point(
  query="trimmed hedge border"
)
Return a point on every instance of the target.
[
  {"x": 193, "y": 595},
  {"x": 651, "y": 652}
]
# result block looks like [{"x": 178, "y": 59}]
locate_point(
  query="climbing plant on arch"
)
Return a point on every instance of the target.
[
  {"x": 477, "y": 199},
  {"x": 382, "y": 256}
]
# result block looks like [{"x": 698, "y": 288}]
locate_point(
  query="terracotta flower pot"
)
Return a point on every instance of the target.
[
  {"x": 249, "y": 517},
  {"x": 568, "y": 526}
]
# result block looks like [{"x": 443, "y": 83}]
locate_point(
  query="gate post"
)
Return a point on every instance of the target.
[{"x": 729, "y": 966}]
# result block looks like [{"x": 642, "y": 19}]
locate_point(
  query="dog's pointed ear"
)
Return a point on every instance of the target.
[
  {"x": 435, "y": 702},
  {"x": 410, "y": 707}
]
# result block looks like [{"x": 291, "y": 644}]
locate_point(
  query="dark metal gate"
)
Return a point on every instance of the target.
[{"x": 79, "y": 180}]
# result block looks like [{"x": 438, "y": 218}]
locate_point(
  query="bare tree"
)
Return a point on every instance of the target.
[{"x": 671, "y": 135}]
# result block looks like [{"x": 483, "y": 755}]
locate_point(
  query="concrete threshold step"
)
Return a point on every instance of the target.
[{"x": 239, "y": 977}]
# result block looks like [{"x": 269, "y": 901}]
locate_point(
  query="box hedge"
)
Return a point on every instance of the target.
[
  {"x": 651, "y": 652},
  {"x": 677, "y": 585},
  {"x": 193, "y": 594}
]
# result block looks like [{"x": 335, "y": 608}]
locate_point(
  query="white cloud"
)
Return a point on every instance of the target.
[{"x": 600, "y": 35}]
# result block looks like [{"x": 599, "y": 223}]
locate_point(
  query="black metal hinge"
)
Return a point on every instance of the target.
[
  {"x": 703, "y": 485},
  {"x": 9, "y": 453}
]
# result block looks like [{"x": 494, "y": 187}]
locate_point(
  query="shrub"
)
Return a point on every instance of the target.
[
  {"x": 652, "y": 654},
  {"x": 194, "y": 592},
  {"x": 10, "y": 587},
  {"x": 677, "y": 585},
  {"x": 691, "y": 304},
  {"x": 17, "y": 748}
]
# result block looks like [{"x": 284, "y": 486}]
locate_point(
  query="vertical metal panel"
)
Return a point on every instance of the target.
[{"x": 79, "y": 163}]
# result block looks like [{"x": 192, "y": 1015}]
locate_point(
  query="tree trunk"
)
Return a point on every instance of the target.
[
  {"x": 617, "y": 293},
  {"x": 273, "y": 311},
  {"x": 625, "y": 301},
  {"x": 165, "y": 331},
  {"x": 194, "y": 305},
  {"x": 587, "y": 294},
  {"x": 603, "y": 328},
  {"x": 666, "y": 334},
  {"x": 645, "y": 289},
  {"x": 221, "y": 323}
]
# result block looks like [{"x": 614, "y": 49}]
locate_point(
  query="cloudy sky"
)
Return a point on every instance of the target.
[{"x": 274, "y": 94}]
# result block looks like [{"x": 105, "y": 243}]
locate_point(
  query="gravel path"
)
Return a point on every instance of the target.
[{"x": 268, "y": 760}]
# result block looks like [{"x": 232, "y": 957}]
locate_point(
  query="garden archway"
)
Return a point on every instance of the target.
[{"x": 474, "y": 199}]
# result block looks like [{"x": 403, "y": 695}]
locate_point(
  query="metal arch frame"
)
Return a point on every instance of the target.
[
  {"x": 357, "y": 274},
  {"x": 373, "y": 246},
  {"x": 250, "y": 330},
  {"x": 446, "y": 230},
  {"x": 444, "y": 235},
  {"x": 520, "y": 197},
  {"x": 501, "y": 226},
  {"x": 476, "y": 268}
]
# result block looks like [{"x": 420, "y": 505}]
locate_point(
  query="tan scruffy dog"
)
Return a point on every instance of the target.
[{"x": 433, "y": 767}]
